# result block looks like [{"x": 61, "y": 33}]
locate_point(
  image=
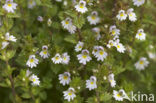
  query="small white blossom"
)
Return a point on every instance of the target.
[
  {"x": 35, "y": 80},
  {"x": 69, "y": 94},
  {"x": 49, "y": 22},
  {"x": 10, "y": 7},
  {"x": 97, "y": 32},
  {"x": 79, "y": 46},
  {"x": 100, "y": 54},
  {"x": 138, "y": 2},
  {"x": 131, "y": 15},
  {"x": 31, "y": 4},
  {"x": 120, "y": 47},
  {"x": 93, "y": 18},
  {"x": 40, "y": 18},
  {"x": 72, "y": 29},
  {"x": 4, "y": 44},
  {"x": 28, "y": 73},
  {"x": 114, "y": 31},
  {"x": 121, "y": 15},
  {"x": 9, "y": 37},
  {"x": 84, "y": 57},
  {"x": 152, "y": 55},
  {"x": 57, "y": 59},
  {"x": 32, "y": 61},
  {"x": 44, "y": 53},
  {"x": 81, "y": 6},
  {"x": 141, "y": 35},
  {"x": 111, "y": 43},
  {"x": 65, "y": 58},
  {"x": 65, "y": 78},
  {"x": 67, "y": 24},
  {"x": 91, "y": 83},
  {"x": 142, "y": 63},
  {"x": 59, "y": 0},
  {"x": 120, "y": 95},
  {"x": 111, "y": 80}
]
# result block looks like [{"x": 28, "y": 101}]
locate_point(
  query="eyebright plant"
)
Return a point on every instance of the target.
[{"x": 77, "y": 51}]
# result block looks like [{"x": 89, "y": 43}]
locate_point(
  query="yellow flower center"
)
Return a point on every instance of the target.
[
  {"x": 91, "y": 83},
  {"x": 101, "y": 52},
  {"x": 141, "y": 62},
  {"x": 121, "y": 14},
  {"x": 81, "y": 6},
  {"x": 118, "y": 95},
  {"x": 130, "y": 14},
  {"x": 84, "y": 56},
  {"x": 67, "y": 22},
  {"x": 113, "y": 32},
  {"x": 9, "y": 5},
  {"x": 45, "y": 52},
  {"x": 140, "y": 34},
  {"x": 118, "y": 46},
  {"x": 31, "y": 60},
  {"x": 93, "y": 17},
  {"x": 80, "y": 47},
  {"x": 69, "y": 93},
  {"x": 57, "y": 58},
  {"x": 34, "y": 80},
  {"x": 65, "y": 77}
]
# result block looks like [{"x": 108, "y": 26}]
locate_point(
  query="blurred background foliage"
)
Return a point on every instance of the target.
[{"x": 32, "y": 35}]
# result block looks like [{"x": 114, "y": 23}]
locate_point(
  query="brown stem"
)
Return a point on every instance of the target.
[
  {"x": 97, "y": 95},
  {"x": 79, "y": 34},
  {"x": 13, "y": 88}
]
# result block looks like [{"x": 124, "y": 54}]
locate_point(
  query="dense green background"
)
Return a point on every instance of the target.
[{"x": 32, "y": 35}]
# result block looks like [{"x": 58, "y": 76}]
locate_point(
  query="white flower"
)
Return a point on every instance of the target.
[
  {"x": 93, "y": 18},
  {"x": 10, "y": 7},
  {"x": 121, "y": 15},
  {"x": 4, "y": 44},
  {"x": 114, "y": 31},
  {"x": 72, "y": 29},
  {"x": 49, "y": 22},
  {"x": 44, "y": 53},
  {"x": 69, "y": 94},
  {"x": 40, "y": 18},
  {"x": 59, "y": 0},
  {"x": 65, "y": 78},
  {"x": 97, "y": 32},
  {"x": 65, "y": 58},
  {"x": 120, "y": 95},
  {"x": 110, "y": 44},
  {"x": 111, "y": 80},
  {"x": 31, "y": 4},
  {"x": 9, "y": 37},
  {"x": 28, "y": 72},
  {"x": 79, "y": 46},
  {"x": 32, "y": 61},
  {"x": 84, "y": 57},
  {"x": 91, "y": 83},
  {"x": 120, "y": 47},
  {"x": 131, "y": 15},
  {"x": 95, "y": 50},
  {"x": 57, "y": 59},
  {"x": 138, "y": 2},
  {"x": 100, "y": 54},
  {"x": 152, "y": 55},
  {"x": 142, "y": 63},
  {"x": 35, "y": 80},
  {"x": 81, "y": 7},
  {"x": 141, "y": 35},
  {"x": 65, "y": 23}
]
